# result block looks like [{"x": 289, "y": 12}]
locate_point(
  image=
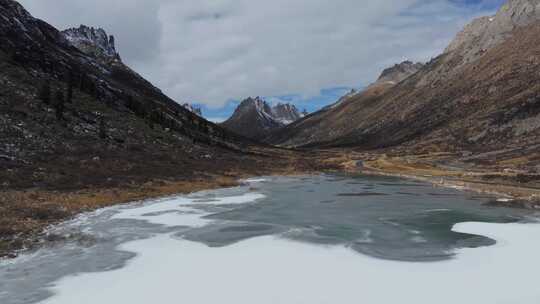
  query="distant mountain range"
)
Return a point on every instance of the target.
[
  {"x": 254, "y": 118},
  {"x": 479, "y": 97}
]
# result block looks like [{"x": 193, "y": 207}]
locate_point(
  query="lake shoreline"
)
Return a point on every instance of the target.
[
  {"x": 68, "y": 205},
  {"x": 300, "y": 226},
  {"x": 28, "y": 212},
  {"x": 37, "y": 209},
  {"x": 51, "y": 208},
  {"x": 510, "y": 194}
]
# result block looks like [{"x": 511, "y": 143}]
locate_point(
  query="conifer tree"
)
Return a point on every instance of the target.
[
  {"x": 81, "y": 81},
  {"x": 59, "y": 105},
  {"x": 102, "y": 128},
  {"x": 69, "y": 93},
  {"x": 45, "y": 92}
]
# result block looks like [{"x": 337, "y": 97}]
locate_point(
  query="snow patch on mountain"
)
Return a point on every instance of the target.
[
  {"x": 286, "y": 113},
  {"x": 255, "y": 118},
  {"x": 282, "y": 113}
]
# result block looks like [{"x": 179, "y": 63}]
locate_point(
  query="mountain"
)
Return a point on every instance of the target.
[
  {"x": 389, "y": 77},
  {"x": 254, "y": 118},
  {"x": 73, "y": 115},
  {"x": 480, "y": 97},
  {"x": 319, "y": 126},
  {"x": 486, "y": 32}
]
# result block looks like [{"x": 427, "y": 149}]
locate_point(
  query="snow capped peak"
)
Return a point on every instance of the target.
[
  {"x": 92, "y": 41},
  {"x": 281, "y": 113},
  {"x": 255, "y": 105},
  {"x": 286, "y": 113},
  {"x": 255, "y": 118}
]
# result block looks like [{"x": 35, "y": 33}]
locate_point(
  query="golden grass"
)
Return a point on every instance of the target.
[
  {"x": 396, "y": 165},
  {"x": 467, "y": 180},
  {"x": 24, "y": 214},
  {"x": 515, "y": 161}
]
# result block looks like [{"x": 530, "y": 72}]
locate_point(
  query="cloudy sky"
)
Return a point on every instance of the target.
[{"x": 309, "y": 52}]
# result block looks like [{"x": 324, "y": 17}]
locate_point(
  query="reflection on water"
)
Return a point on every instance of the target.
[
  {"x": 412, "y": 226},
  {"x": 385, "y": 218}
]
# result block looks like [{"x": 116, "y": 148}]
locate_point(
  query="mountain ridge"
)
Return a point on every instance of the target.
[
  {"x": 309, "y": 125},
  {"x": 397, "y": 73},
  {"x": 454, "y": 103}
]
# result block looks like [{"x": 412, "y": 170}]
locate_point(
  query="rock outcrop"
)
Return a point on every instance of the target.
[
  {"x": 486, "y": 32},
  {"x": 93, "y": 42},
  {"x": 398, "y": 72}
]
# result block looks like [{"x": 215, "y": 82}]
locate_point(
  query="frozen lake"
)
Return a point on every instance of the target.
[{"x": 312, "y": 239}]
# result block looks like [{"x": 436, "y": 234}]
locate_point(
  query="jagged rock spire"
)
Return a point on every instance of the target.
[{"x": 92, "y": 41}]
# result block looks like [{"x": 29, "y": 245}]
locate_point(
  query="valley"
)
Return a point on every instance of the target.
[
  {"x": 176, "y": 160},
  {"x": 81, "y": 130}
]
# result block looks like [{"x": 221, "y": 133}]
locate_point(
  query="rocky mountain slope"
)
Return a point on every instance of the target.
[
  {"x": 481, "y": 97},
  {"x": 100, "y": 46},
  {"x": 71, "y": 119},
  {"x": 486, "y": 32},
  {"x": 254, "y": 118},
  {"x": 318, "y": 126}
]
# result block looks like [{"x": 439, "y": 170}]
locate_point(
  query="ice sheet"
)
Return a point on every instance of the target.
[{"x": 274, "y": 270}]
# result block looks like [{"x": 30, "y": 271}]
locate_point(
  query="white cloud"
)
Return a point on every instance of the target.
[{"x": 210, "y": 51}]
